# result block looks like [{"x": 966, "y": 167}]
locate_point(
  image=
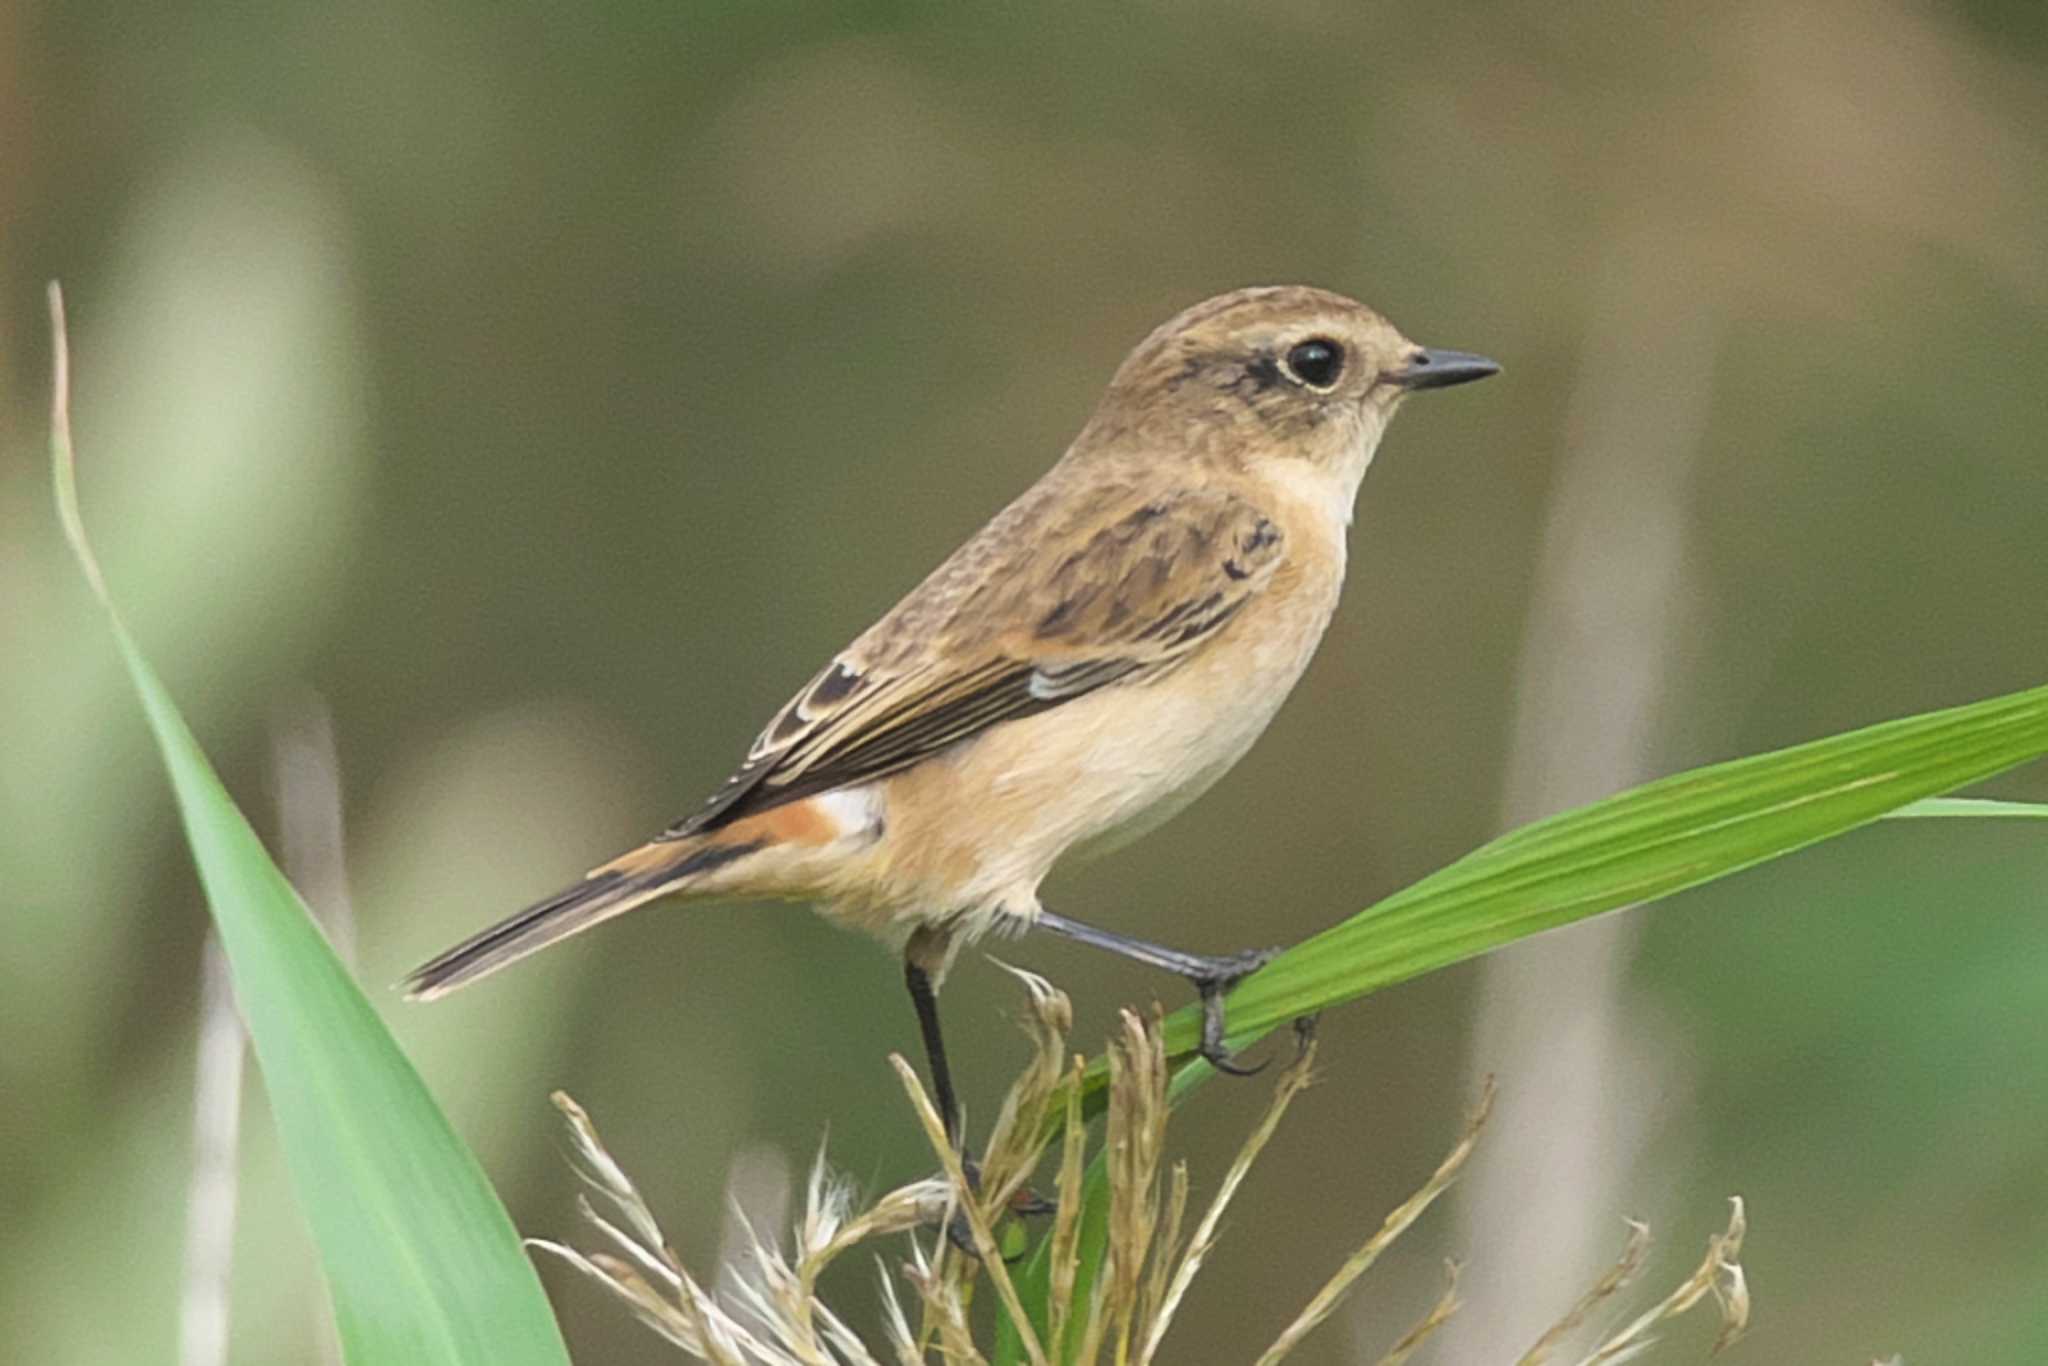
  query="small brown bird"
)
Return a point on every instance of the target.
[{"x": 1080, "y": 670}]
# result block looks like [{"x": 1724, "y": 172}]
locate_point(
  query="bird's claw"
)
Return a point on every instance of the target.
[
  {"x": 1212, "y": 1047},
  {"x": 1212, "y": 986},
  {"x": 1025, "y": 1204}
]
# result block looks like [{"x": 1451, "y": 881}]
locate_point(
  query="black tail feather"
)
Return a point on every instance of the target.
[{"x": 605, "y": 893}]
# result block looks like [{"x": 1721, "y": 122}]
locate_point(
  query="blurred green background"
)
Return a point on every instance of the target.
[{"x": 541, "y": 395}]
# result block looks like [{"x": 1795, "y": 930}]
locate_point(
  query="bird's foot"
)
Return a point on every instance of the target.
[
  {"x": 1024, "y": 1204},
  {"x": 1212, "y": 982}
]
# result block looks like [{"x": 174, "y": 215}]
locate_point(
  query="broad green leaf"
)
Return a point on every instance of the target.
[
  {"x": 1638, "y": 846},
  {"x": 422, "y": 1260}
]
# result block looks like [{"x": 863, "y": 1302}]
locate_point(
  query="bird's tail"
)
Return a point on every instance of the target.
[{"x": 633, "y": 879}]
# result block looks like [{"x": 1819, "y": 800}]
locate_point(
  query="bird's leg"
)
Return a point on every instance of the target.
[
  {"x": 925, "y": 996},
  {"x": 1211, "y": 977}
]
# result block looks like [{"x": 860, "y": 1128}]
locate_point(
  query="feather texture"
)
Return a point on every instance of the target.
[{"x": 1013, "y": 624}]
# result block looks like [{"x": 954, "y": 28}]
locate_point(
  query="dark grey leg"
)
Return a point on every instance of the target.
[
  {"x": 927, "y": 1002},
  {"x": 926, "y": 998},
  {"x": 1211, "y": 977}
]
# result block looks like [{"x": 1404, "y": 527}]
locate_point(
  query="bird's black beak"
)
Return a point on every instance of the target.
[{"x": 1435, "y": 369}]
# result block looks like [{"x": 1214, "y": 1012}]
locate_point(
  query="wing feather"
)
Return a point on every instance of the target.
[{"x": 1027, "y": 616}]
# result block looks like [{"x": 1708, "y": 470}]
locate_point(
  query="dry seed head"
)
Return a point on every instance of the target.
[
  {"x": 1065, "y": 1251},
  {"x": 1633, "y": 1250},
  {"x": 1397, "y": 1223},
  {"x": 772, "y": 1317},
  {"x": 974, "y": 1209},
  {"x": 1718, "y": 1275},
  {"x": 1439, "y": 1314},
  {"x": 1021, "y": 1130},
  {"x": 1167, "y": 1303},
  {"x": 1137, "y": 1131}
]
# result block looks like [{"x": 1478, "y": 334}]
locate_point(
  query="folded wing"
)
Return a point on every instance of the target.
[{"x": 1021, "y": 619}]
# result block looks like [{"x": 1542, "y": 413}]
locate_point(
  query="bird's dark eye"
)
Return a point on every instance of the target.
[{"x": 1316, "y": 362}]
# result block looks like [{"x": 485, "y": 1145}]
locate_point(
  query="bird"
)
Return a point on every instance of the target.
[{"x": 1078, "y": 671}]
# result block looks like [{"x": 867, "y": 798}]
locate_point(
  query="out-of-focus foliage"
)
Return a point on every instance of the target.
[
  {"x": 423, "y": 1265},
  {"x": 552, "y": 391}
]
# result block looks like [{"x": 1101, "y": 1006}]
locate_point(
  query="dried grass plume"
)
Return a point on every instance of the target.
[{"x": 1069, "y": 1308}]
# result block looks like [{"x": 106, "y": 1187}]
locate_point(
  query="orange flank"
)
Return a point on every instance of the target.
[{"x": 799, "y": 822}]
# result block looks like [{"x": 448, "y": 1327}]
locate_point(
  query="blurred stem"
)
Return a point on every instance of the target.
[
  {"x": 203, "y": 1301},
  {"x": 1595, "y": 668}
]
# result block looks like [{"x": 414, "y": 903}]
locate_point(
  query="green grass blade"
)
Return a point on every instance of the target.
[
  {"x": 422, "y": 1260},
  {"x": 1636, "y": 847}
]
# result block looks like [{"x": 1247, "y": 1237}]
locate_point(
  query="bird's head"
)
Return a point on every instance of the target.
[{"x": 1258, "y": 377}]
